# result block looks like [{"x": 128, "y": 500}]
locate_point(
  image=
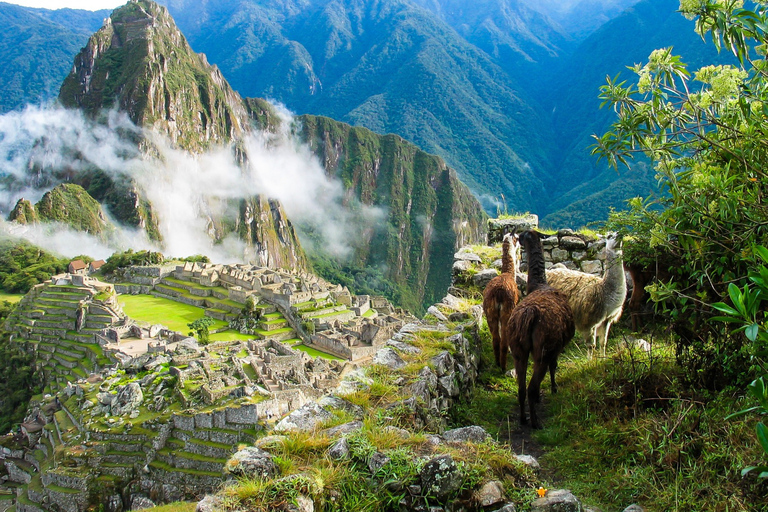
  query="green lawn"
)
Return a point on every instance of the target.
[
  {"x": 232, "y": 335},
  {"x": 157, "y": 310},
  {"x": 315, "y": 353},
  {"x": 13, "y": 298}
]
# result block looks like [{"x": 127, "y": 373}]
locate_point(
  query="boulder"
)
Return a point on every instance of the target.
[
  {"x": 403, "y": 347},
  {"x": 465, "y": 255},
  {"x": 550, "y": 241},
  {"x": 452, "y": 302},
  {"x": 251, "y": 462},
  {"x": 128, "y": 398},
  {"x": 270, "y": 441},
  {"x": 304, "y": 419},
  {"x": 559, "y": 255},
  {"x": 377, "y": 461},
  {"x": 472, "y": 434},
  {"x": 339, "y": 450},
  {"x": 634, "y": 508},
  {"x": 399, "y": 432},
  {"x": 440, "y": 477},
  {"x": 482, "y": 278},
  {"x": 156, "y": 361},
  {"x": 528, "y": 460},
  {"x": 573, "y": 243},
  {"x": 461, "y": 266},
  {"x": 343, "y": 430},
  {"x": 334, "y": 402},
  {"x": 561, "y": 500},
  {"x": 592, "y": 267},
  {"x": 209, "y": 504},
  {"x": 509, "y": 507},
  {"x": 187, "y": 346},
  {"x": 437, "y": 314},
  {"x": 106, "y": 398},
  {"x": 303, "y": 504},
  {"x": 443, "y": 363},
  {"x": 139, "y": 502},
  {"x": 490, "y": 494},
  {"x": 388, "y": 357}
]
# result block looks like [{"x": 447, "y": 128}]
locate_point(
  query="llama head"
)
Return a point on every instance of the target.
[
  {"x": 513, "y": 242},
  {"x": 613, "y": 245},
  {"x": 531, "y": 238}
]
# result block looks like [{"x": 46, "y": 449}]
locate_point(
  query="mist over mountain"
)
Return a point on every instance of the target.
[
  {"x": 580, "y": 18},
  {"x": 154, "y": 134},
  {"x": 505, "y": 91}
]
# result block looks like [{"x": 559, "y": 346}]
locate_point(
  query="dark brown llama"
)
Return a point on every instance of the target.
[
  {"x": 501, "y": 291},
  {"x": 541, "y": 325}
]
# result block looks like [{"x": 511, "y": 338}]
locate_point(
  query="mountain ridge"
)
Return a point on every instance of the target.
[{"x": 419, "y": 217}]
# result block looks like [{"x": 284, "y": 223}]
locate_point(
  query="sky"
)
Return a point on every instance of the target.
[{"x": 91, "y": 5}]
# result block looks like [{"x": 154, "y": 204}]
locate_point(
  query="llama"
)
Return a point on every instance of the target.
[
  {"x": 641, "y": 277},
  {"x": 501, "y": 291},
  {"x": 541, "y": 325},
  {"x": 596, "y": 302}
]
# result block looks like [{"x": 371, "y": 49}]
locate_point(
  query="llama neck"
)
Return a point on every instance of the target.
[
  {"x": 508, "y": 258},
  {"x": 614, "y": 279},
  {"x": 537, "y": 276}
]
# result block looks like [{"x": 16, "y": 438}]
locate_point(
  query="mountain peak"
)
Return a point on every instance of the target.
[{"x": 140, "y": 63}]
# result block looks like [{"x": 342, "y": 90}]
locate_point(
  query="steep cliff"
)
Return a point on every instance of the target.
[
  {"x": 427, "y": 212},
  {"x": 140, "y": 63}
]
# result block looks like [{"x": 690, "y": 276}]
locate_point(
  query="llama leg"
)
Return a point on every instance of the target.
[
  {"x": 534, "y": 388},
  {"x": 521, "y": 368},
  {"x": 602, "y": 333},
  {"x": 552, "y": 369},
  {"x": 591, "y": 341},
  {"x": 503, "y": 350},
  {"x": 496, "y": 341}
]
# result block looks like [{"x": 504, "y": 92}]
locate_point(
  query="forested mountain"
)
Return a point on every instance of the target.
[
  {"x": 585, "y": 189},
  {"x": 403, "y": 212},
  {"x": 390, "y": 66},
  {"x": 36, "y": 50},
  {"x": 505, "y": 91}
]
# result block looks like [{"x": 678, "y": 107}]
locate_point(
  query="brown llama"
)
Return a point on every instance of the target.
[
  {"x": 501, "y": 291},
  {"x": 541, "y": 325}
]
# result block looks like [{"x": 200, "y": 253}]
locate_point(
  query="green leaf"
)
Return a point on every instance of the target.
[
  {"x": 725, "y": 308},
  {"x": 742, "y": 413},
  {"x": 762, "y": 252},
  {"x": 762, "y": 436},
  {"x": 751, "y": 332}
]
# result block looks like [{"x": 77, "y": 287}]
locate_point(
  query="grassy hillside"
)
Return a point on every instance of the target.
[{"x": 36, "y": 50}]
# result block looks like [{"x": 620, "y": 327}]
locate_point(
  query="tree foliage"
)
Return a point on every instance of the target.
[
  {"x": 129, "y": 258},
  {"x": 18, "y": 380},
  {"x": 200, "y": 327},
  {"x": 23, "y": 265},
  {"x": 707, "y": 134}
]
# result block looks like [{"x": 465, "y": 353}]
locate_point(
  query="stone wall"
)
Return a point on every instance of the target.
[{"x": 576, "y": 251}]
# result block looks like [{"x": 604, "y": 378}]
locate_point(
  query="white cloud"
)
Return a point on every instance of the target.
[{"x": 188, "y": 192}]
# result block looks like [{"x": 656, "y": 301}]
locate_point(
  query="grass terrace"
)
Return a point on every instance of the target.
[
  {"x": 316, "y": 353},
  {"x": 13, "y": 298}
]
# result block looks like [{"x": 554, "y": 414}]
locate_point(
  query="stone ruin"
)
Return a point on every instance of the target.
[{"x": 346, "y": 326}]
